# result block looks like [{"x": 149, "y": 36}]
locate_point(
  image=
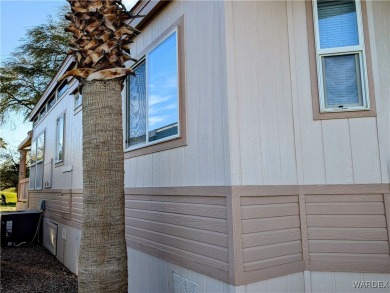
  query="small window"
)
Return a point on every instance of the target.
[
  {"x": 62, "y": 89},
  {"x": 36, "y": 162},
  {"x": 78, "y": 100},
  {"x": 153, "y": 96},
  {"x": 51, "y": 102},
  {"x": 60, "y": 139},
  {"x": 42, "y": 113},
  {"x": 340, "y": 54},
  {"x": 35, "y": 121}
]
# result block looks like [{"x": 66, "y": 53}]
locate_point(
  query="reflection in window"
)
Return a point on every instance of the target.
[
  {"x": 162, "y": 90},
  {"x": 60, "y": 139},
  {"x": 137, "y": 110},
  {"x": 62, "y": 89},
  {"x": 51, "y": 102},
  {"x": 153, "y": 96},
  {"x": 36, "y": 162},
  {"x": 78, "y": 100}
]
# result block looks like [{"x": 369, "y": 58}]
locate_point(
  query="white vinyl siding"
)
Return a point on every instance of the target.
[
  {"x": 153, "y": 96},
  {"x": 341, "y": 68}
]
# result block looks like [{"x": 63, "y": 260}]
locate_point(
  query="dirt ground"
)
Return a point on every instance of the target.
[{"x": 34, "y": 269}]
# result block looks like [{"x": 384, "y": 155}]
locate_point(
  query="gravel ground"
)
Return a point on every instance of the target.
[{"x": 34, "y": 269}]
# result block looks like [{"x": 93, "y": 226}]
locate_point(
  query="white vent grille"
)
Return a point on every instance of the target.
[{"x": 183, "y": 285}]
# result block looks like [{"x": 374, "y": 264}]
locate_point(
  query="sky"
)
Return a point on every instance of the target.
[{"x": 15, "y": 17}]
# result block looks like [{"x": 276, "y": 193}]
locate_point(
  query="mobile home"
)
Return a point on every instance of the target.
[{"x": 256, "y": 152}]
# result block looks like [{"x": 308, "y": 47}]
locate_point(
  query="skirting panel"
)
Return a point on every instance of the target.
[{"x": 245, "y": 234}]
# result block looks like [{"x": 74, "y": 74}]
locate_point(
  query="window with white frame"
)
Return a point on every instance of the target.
[
  {"x": 36, "y": 162},
  {"x": 340, "y": 52},
  {"x": 153, "y": 96},
  {"x": 78, "y": 100},
  {"x": 60, "y": 139},
  {"x": 62, "y": 89}
]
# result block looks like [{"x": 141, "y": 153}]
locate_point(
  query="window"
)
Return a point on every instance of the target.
[
  {"x": 153, "y": 96},
  {"x": 51, "y": 102},
  {"x": 340, "y": 58},
  {"x": 62, "y": 89},
  {"x": 78, "y": 100},
  {"x": 42, "y": 113},
  {"x": 60, "y": 139},
  {"x": 36, "y": 162}
]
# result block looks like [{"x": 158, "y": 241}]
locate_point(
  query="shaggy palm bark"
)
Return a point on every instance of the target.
[
  {"x": 103, "y": 255},
  {"x": 100, "y": 45}
]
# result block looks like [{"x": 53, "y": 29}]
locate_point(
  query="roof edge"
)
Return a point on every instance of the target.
[{"x": 51, "y": 85}]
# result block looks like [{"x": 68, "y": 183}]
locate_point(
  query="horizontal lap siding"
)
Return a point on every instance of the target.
[
  {"x": 271, "y": 236},
  {"x": 347, "y": 233},
  {"x": 187, "y": 230},
  {"x": 63, "y": 207}
]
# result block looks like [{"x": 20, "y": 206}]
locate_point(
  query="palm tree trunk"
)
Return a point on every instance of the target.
[{"x": 103, "y": 255}]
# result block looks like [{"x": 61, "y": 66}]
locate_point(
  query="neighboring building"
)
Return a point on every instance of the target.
[{"x": 257, "y": 148}]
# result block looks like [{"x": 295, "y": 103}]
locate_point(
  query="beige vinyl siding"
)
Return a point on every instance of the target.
[
  {"x": 61, "y": 205},
  {"x": 188, "y": 230},
  {"x": 273, "y": 136},
  {"x": 260, "y": 116},
  {"x": 205, "y": 159},
  {"x": 356, "y": 238},
  {"x": 271, "y": 236},
  {"x": 379, "y": 22}
]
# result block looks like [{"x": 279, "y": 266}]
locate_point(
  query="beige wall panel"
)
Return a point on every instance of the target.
[
  {"x": 379, "y": 26},
  {"x": 216, "y": 225},
  {"x": 188, "y": 230},
  {"x": 345, "y": 198},
  {"x": 344, "y": 246},
  {"x": 261, "y": 264},
  {"x": 266, "y": 143},
  {"x": 271, "y": 237},
  {"x": 365, "y": 150},
  {"x": 271, "y": 210},
  {"x": 336, "y": 146},
  {"x": 203, "y": 264},
  {"x": 218, "y": 239},
  {"x": 212, "y": 251},
  {"x": 353, "y": 221},
  {"x": 353, "y": 208},
  {"x": 273, "y": 272},
  {"x": 204, "y": 160},
  {"x": 337, "y": 152},
  {"x": 269, "y": 224},
  {"x": 310, "y": 140},
  {"x": 202, "y": 210},
  {"x": 369, "y": 257},
  {"x": 247, "y": 201},
  {"x": 348, "y": 233},
  {"x": 270, "y": 251}
]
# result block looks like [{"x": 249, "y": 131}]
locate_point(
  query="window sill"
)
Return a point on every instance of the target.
[
  {"x": 343, "y": 114},
  {"x": 59, "y": 164},
  {"x": 158, "y": 147}
]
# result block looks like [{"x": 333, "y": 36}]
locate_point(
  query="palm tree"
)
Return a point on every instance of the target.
[{"x": 100, "y": 46}]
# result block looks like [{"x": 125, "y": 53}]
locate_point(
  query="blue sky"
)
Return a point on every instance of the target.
[{"x": 16, "y": 17}]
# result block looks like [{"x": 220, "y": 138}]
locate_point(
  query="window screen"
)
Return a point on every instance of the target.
[{"x": 342, "y": 80}]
